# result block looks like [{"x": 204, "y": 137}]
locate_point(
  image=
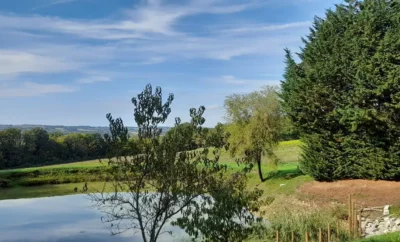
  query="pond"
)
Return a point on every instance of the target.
[{"x": 62, "y": 219}]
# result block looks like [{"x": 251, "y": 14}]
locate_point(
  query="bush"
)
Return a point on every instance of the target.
[
  {"x": 4, "y": 183},
  {"x": 287, "y": 214}
]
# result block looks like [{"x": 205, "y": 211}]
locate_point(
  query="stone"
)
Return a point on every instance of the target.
[{"x": 386, "y": 210}]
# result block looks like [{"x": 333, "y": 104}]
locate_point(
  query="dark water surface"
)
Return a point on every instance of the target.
[{"x": 61, "y": 219}]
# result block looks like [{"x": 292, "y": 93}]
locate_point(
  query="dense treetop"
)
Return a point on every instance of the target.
[{"x": 344, "y": 93}]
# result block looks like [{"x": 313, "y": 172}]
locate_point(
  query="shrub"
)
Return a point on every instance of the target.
[
  {"x": 287, "y": 215},
  {"x": 4, "y": 183}
]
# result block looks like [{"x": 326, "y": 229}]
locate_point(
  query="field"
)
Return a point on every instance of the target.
[{"x": 25, "y": 182}]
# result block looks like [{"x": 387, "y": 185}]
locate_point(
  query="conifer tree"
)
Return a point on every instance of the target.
[{"x": 344, "y": 93}]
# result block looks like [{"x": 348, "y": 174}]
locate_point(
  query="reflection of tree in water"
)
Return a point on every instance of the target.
[{"x": 153, "y": 180}]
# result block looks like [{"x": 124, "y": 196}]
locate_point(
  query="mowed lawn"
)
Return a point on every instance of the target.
[
  {"x": 63, "y": 178},
  {"x": 80, "y": 164}
]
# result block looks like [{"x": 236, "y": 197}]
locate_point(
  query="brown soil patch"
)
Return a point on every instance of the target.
[{"x": 366, "y": 193}]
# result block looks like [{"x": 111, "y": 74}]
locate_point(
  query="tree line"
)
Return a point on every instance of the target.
[{"x": 37, "y": 147}]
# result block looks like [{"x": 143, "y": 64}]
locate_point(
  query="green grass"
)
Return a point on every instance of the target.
[
  {"x": 395, "y": 210},
  {"x": 47, "y": 190},
  {"x": 60, "y": 179},
  {"x": 80, "y": 164},
  {"x": 35, "y": 177},
  {"x": 391, "y": 237}
]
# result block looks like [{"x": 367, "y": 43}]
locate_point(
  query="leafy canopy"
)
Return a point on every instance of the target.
[
  {"x": 255, "y": 124},
  {"x": 164, "y": 180}
]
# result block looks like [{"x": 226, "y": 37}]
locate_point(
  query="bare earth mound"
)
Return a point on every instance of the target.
[{"x": 365, "y": 192}]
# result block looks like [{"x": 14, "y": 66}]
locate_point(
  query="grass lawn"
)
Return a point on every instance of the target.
[
  {"x": 62, "y": 179},
  {"x": 391, "y": 237},
  {"x": 395, "y": 210},
  {"x": 80, "y": 164}
]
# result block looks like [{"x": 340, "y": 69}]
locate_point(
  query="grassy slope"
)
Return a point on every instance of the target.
[{"x": 24, "y": 182}]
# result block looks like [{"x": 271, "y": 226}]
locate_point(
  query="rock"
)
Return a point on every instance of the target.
[{"x": 386, "y": 210}]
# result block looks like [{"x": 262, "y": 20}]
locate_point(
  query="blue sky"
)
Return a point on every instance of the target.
[{"x": 70, "y": 62}]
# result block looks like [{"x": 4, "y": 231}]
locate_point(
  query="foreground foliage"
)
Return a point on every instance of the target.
[
  {"x": 165, "y": 180},
  {"x": 344, "y": 94}
]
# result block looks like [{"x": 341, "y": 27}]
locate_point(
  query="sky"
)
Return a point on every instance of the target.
[{"x": 70, "y": 62}]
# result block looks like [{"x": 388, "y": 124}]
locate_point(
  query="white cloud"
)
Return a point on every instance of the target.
[
  {"x": 153, "y": 60},
  {"x": 31, "y": 89},
  {"x": 150, "y": 17},
  {"x": 272, "y": 27},
  {"x": 232, "y": 80},
  {"x": 52, "y": 3},
  {"x": 93, "y": 79},
  {"x": 213, "y": 107},
  {"x": 12, "y": 62},
  {"x": 145, "y": 34},
  {"x": 229, "y": 79}
]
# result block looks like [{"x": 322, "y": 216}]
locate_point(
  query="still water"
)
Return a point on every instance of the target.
[{"x": 62, "y": 219}]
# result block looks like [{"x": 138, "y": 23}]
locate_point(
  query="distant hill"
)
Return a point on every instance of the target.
[{"x": 71, "y": 129}]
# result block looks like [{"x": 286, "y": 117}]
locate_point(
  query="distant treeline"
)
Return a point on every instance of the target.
[
  {"x": 37, "y": 147},
  {"x": 81, "y": 129}
]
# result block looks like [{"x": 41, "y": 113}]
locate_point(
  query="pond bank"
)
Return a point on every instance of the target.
[{"x": 47, "y": 190}]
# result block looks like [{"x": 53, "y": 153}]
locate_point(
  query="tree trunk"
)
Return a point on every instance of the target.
[{"x": 258, "y": 158}]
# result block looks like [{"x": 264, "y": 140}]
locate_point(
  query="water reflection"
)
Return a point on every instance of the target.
[{"x": 60, "y": 219}]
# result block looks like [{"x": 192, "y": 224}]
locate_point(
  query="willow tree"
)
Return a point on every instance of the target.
[
  {"x": 255, "y": 122},
  {"x": 163, "y": 179}
]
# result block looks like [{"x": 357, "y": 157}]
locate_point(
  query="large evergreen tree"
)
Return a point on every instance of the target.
[{"x": 344, "y": 94}]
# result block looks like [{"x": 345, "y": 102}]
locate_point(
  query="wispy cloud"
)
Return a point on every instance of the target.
[
  {"x": 52, "y": 3},
  {"x": 93, "y": 79},
  {"x": 31, "y": 89},
  {"x": 232, "y": 80},
  {"x": 145, "y": 34},
  {"x": 153, "y": 60},
  {"x": 151, "y": 17},
  {"x": 272, "y": 27},
  {"x": 214, "y": 107},
  {"x": 14, "y": 62},
  {"x": 229, "y": 79}
]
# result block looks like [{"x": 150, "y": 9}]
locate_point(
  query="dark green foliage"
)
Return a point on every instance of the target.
[
  {"x": 216, "y": 218},
  {"x": 344, "y": 94},
  {"x": 289, "y": 132},
  {"x": 217, "y": 137},
  {"x": 36, "y": 147}
]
